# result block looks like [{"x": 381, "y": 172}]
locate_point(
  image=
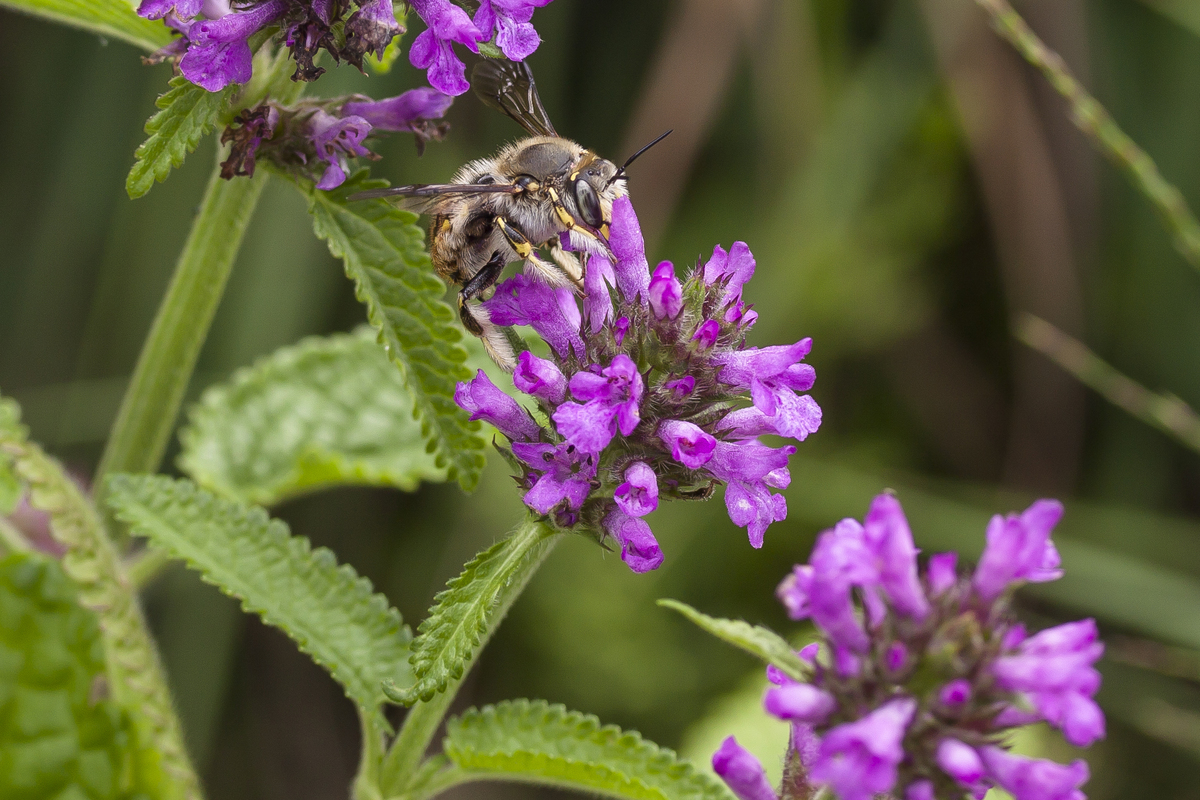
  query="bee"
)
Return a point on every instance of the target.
[{"x": 506, "y": 208}]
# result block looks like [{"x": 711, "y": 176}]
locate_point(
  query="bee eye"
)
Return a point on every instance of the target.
[{"x": 588, "y": 203}]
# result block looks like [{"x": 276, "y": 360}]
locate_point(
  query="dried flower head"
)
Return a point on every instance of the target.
[
  {"x": 315, "y": 138},
  {"x": 918, "y": 679}
]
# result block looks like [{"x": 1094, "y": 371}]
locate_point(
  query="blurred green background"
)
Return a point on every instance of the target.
[{"x": 907, "y": 185}]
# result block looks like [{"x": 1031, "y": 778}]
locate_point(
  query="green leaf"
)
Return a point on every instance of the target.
[
  {"x": 756, "y": 640},
  {"x": 331, "y": 613},
  {"x": 115, "y": 18},
  {"x": 385, "y": 256},
  {"x": 91, "y": 560},
  {"x": 327, "y": 411},
  {"x": 59, "y": 733},
  {"x": 188, "y": 113},
  {"x": 543, "y": 743},
  {"x": 470, "y": 607}
]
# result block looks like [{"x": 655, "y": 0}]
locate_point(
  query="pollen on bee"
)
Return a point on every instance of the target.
[{"x": 445, "y": 225}]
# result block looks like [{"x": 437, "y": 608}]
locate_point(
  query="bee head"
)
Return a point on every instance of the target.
[{"x": 591, "y": 189}]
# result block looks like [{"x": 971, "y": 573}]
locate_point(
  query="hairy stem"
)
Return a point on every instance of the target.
[
  {"x": 532, "y": 542},
  {"x": 151, "y": 404},
  {"x": 1098, "y": 125},
  {"x": 1166, "y": 412}
]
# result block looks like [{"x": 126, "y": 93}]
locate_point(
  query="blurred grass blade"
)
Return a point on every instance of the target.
[
  {"x": 1183, "y": 12},
  {"x": 331, "y": 613},
  {"x": 384, "y": 254},
  {"x": 115, "y": 18},
  {"x": 1168, "y": 413},
  {"x": 329, "y": 411},
  {"x": 1099, "y": 126},
  {"x": 756, "y": 640},
  {"x": 533, "y": 741}
]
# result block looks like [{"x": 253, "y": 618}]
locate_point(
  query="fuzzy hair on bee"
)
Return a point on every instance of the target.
[{"x": 529, "y": 197}]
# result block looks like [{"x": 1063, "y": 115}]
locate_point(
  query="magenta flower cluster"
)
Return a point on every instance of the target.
[
  {"x": 648, "y": 391},
  {"x": 912, "y": 695},
  {"x": 214, "y": 48}
]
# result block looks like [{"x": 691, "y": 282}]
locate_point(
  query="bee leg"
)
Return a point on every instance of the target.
[
  {"x": 587, "y": 232},
  {"x": 549, "y": 274},
  {"x": 475, "y": 317},
  {"x": 566, "y": 261}
]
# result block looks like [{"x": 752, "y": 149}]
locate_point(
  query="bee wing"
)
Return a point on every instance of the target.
[
  {"x": 423, "y": 197},
  {"x": 508, "y": 86}
]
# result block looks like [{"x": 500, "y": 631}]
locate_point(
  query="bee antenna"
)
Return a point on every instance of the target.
[{"x": 620, "y": 173}]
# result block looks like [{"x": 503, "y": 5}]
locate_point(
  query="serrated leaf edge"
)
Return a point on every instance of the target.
[
  {"x": 741, "y": 634},
  {"x": 579, "y": 727},
  {"x": 358, "y": 587},
  {"x": 427, "y": 411}
]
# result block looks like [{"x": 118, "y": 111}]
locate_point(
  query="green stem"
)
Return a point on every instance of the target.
[
  {"x": 532, "y": 542},
  {"x": 147, "y": 416},
  {"x": 1166, "y": 412},
  {"x": 151, "y": 404},
  {"x": 1098, "y": 125}
]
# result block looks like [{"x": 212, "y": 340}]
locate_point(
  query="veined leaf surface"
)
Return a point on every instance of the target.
[{"x": 327, "y": 411}]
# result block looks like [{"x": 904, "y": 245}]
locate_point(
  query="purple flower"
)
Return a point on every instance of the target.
[
  {"x": 731, "y": 270},
  {"x": 666, "y": 292},
  {"x": 433, "y": 49},
  {"x": 1055, "y": 669},
  {"x": 801, "y": 702},
  {"x": 774, "y": 375},
  {"x": 680, "y": 389},
  {"x": 481, "y": 397},
  {"x": 540, "y": 378},
  {"x": 742, "y": 772},
  {"x": 955, "y": 693},
  {"x": 882, "y": 637},
  {"x": 705, "y": 337},
  {"x": 1035, "y": 779},
  {"x": 919, "y": 790},
  {"x": 859, "y": 759},
  {"x": 638, "y": 495},
  {"x": 794, "y": 591},
  {"x": 509, "y": 19},
  {"x": 943, "y": 572},
  {"x": 886, "y": 532},
  {"x": 522, "y": 300},
  {"x": 402, "y": 112},
  {"x": 335, "y": 138},
  {"x": 959, "y": 761},
  {"x": 369, "y": 30},
  {"x": 598, "y": 305},
  {"x": 650, "y": 406},
  {"x": 639, "y": 548},
  {"x": 610, "y": 404},
  {"x": 1019, "y": 549},
  {"x": 567, "y": 474},
  {"x": 690, "y": 444},
  {"x": 219, "y": 53},
  {"x": 631, "y": 270},
  {"x": 157, "y": 9}
]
